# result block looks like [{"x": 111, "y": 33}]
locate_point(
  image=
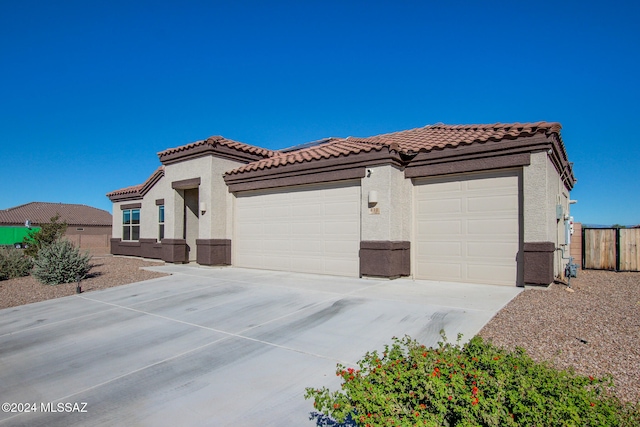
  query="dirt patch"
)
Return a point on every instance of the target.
[
  {"x": 108, "y": 271},
  {"x": 595, "y": 329}
]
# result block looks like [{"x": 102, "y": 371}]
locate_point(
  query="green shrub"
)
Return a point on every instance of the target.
[
  {"x": 61, "y": 262},
  {"x": 14, "y": 263},
  {"x": 475, "y": 385},
  {"x": 46, "y": 235}
]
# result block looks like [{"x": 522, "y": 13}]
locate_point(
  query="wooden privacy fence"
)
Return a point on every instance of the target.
[{"x": 611, "y": 249}]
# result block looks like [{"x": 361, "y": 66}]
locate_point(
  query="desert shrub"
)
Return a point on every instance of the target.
[
  {"x": 46, "y": 235},
  {"x": 14, "y": 263},
  {"x": 61, "y": 262},
  {"x": 478, "y": 384}
]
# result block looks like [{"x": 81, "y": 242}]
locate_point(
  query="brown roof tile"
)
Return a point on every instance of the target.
[
  {"x": 427, "y": 138},
  {"x": 219, "y": 140},
  {"x": 42, "y": 212},
  {"x": 140, "y": 189},
  {"x": 335, "y": 148},
  {"x": 441, "y": 136}
]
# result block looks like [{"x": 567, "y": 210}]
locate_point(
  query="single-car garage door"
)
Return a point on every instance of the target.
[
  {"x": 308, "y": 229},
  {"x": 467, "y": 228}
]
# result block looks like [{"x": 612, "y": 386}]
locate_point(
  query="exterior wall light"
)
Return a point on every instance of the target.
[
  {"x": 373, "y": 197},
  {"x": 203, "y": 208}
]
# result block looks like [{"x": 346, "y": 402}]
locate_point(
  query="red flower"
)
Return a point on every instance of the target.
[
  {"x": 591, "y": 378},
  {"x": 474, "y": 401},
  {"x": 336, "y": 405},
  {"x": 450, "y": 397},
  {"x": 417, "y": 414},
  {"x": 474, "y": 390},
  {"x": 592, "y": 404},
  {"x": 423, "y": 406}
]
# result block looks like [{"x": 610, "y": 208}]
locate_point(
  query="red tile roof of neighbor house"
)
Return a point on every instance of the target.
[
  {"x": 219, "y": 140},
  {"x": 426, "y": 138},
  {"x": 42, "y": 212}
]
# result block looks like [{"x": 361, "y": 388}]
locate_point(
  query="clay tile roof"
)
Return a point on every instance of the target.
[
  {"x": 140, "y": 189},
  {"x": 42, "y": 212},
  {"x": 134, "y": 189},
  {"x": 334, "y": 148},
  {"x": 441, "y": 136},
  {"x": 219, "y": 140},
  {"x": 438, "y": 136}
]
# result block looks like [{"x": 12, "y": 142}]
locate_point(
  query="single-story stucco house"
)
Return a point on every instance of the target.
[
  {"x": 464, "y": 203},
  {"x": 87, "y": 227}
]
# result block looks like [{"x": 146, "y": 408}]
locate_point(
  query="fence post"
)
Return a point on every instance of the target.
[{"x": 617, "y": 249}]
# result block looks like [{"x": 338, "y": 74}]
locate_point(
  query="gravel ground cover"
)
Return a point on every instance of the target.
[
  {"x": 108, "y": 271},
  {"x": 595, "y": 329}
]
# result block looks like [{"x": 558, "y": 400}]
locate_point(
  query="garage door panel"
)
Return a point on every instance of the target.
[
  {"x": 442, "y": 271},
  {"x": 309, "y": 247},
  {"x": 275, "y": 262},
  {"x": 490, "y": 251},
  {"x": 440, "y": 227},
  {"x": 320, "y": 225},
  {"x": 482, "y": 273},
  {"x": 306, "y": 210},
  {"x": 450, "y": 206},
  {"x": 490, "y": 183},
  {"x": 348, "y": 229},
  {"x": 492, "y": 204},
  {"x": 494, "y": 227},
  {"x": 474, "y": 226},
  {"x": 340, "y": 248}
]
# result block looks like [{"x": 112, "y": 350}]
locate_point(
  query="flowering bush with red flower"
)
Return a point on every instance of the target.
[{"x": 478, "y": 384}]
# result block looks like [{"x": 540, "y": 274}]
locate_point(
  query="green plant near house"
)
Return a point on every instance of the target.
[
  {"x": 61, "y": 262},
  {"x": 45, "y": 235},
  {"x": 475, "y": 385},
  {"x": 14, "y": 263}
]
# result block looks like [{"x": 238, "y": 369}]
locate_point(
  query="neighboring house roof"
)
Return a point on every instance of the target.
[
  {"x": 42, "y": 212},
  {"x": 426, "y": 138}
]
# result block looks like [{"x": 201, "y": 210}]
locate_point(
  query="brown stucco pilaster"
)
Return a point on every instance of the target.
[
  {"x": 174, "y": 250},
  {"x": 381, "y": 258},
  {"x": 538, "y": 263},
  {"x": 213, "y": 251}
]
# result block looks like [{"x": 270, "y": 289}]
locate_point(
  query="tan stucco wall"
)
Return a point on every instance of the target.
[
  {"x": 215, "y": 222},
  {"x": 149, "y": 211},
  {"x": 393, "y": 221},
  {"x": 543, "y": 190}
]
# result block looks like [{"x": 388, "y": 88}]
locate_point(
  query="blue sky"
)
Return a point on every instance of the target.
[{"x": 90, "y": 91}]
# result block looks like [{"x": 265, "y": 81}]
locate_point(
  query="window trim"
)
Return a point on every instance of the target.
[
  {"x": 161, "y": 220},
  {"x": 129, "y": 224}
]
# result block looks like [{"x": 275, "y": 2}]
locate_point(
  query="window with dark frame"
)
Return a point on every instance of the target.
[
  {"x": 131, "y": 224},
  {"x": 160, "y": 222}
]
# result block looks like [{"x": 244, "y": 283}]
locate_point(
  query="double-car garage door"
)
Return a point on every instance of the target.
[
  {"x": 308, "y": 229},
  {"x": 467, "y": 228}
]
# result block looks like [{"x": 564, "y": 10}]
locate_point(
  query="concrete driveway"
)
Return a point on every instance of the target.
[{"x": 214, "y": 346}]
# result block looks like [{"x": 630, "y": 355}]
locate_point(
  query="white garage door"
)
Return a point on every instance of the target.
[
  {"x": 467, "y": 228},
  {"x": 308, "y": 229}
]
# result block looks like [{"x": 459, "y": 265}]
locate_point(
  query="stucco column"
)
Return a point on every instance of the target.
[
  {"x": 385, "y": 223},
  {"x": 539, "y": 218}
]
